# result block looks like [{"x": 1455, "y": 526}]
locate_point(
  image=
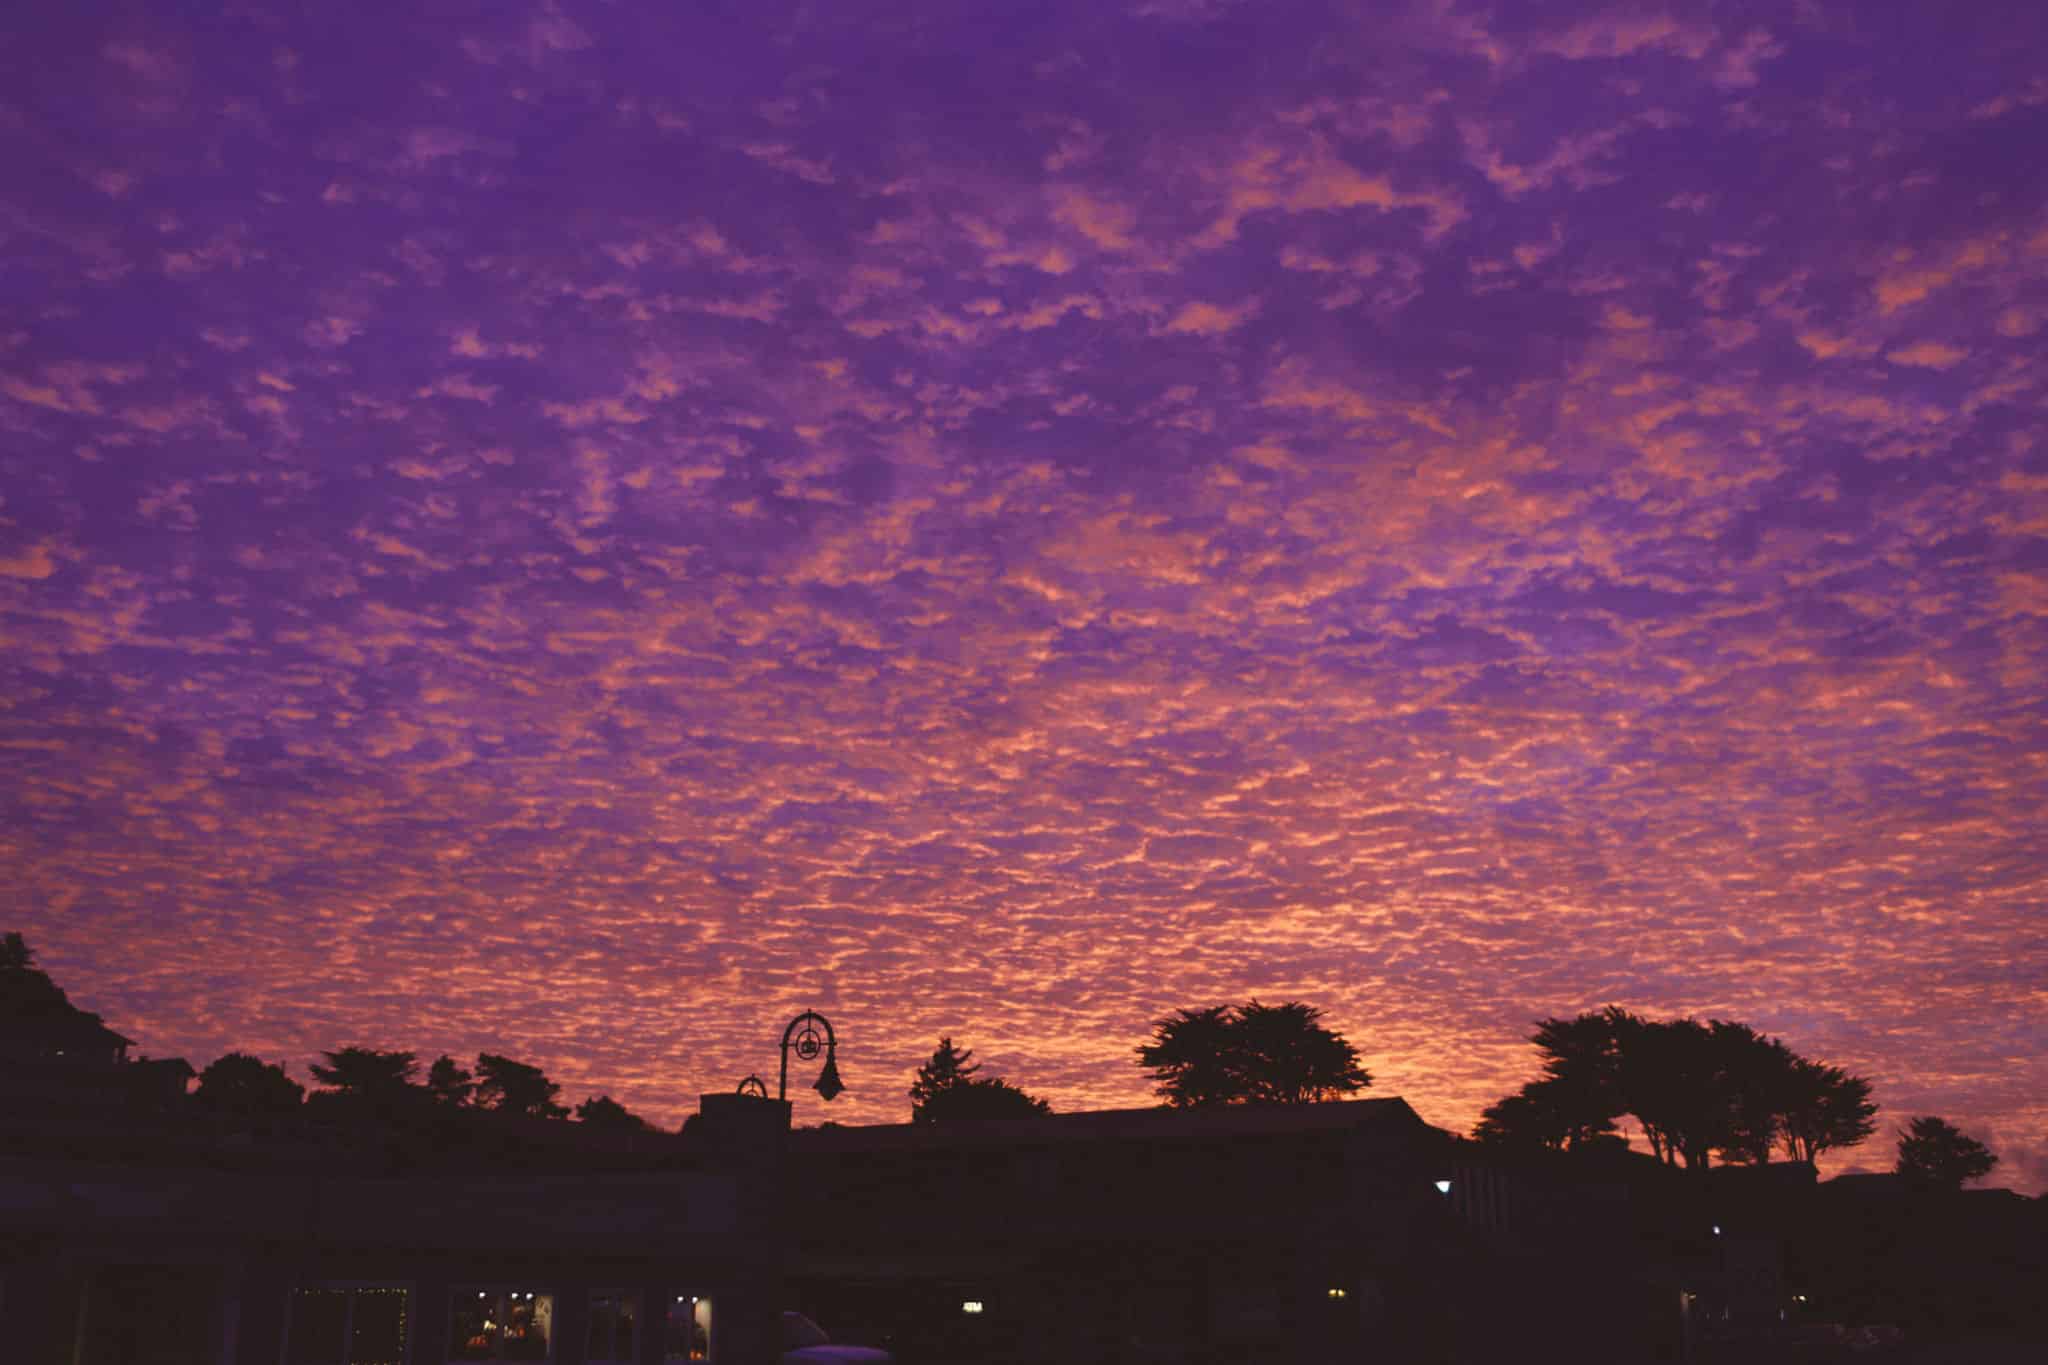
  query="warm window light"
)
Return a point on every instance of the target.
[
  {"x": 1443, "y": 1187},
  {"x": 973, "y": 1306},
  {"x": 1337, "y": 1293}
]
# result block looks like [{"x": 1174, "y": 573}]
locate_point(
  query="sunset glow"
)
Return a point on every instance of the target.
[{"x": 584, "y": 530}]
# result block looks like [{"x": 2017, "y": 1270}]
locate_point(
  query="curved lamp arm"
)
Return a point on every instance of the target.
[{"x": 802, "y": 1035}]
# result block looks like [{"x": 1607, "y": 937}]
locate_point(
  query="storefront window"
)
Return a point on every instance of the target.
[
  {"x": 500, "y": 1324},
  {"x": 614, "y": 1317},
  {"x": 346, "y": 1325},
  {"x": 689, "y": 1329}
]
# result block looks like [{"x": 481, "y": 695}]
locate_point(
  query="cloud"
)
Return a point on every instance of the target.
[
  {"x": 34, "y": 562},
  {"x": 1928, "y": 355},
  {"x": 1200, "y": 318},
  {"x": 1421, "y": 518}
]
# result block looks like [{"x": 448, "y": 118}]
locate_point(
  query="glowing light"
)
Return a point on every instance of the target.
[
  {"x": 1443, "y": 1187},
  {"x": 972, "y": 1306},
  {"x": 1717, "y": 1229},
  {"x": 1337, "y": 1293}
]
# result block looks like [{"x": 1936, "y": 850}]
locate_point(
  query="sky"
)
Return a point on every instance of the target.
[{"x": 582, "y": 530}]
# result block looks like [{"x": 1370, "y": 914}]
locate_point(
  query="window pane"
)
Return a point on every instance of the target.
[
  {"x": 689, "y": 1329},
  {"x": 475, "y": 1321},
  {"x": 611, "y": 1327},
  {"x": 529, "y": 1325},
  {"x": 314, "y": 1331},
  {"x": 377, "y": 1326}
]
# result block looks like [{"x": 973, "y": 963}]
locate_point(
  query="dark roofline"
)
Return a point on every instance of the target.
[
  {"x": 1380, "y": 1117},
  {"x": 67, "y": 1025}
]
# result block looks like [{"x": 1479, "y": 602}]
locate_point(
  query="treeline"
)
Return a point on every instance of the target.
[
  {"x": 1706, "y": 1091},
  {"x": 361, "y": 1081},
  {"x": 1699, "y": 1092}
]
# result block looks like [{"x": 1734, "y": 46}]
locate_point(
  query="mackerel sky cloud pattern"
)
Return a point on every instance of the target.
[{"x": 582, "y": 530}]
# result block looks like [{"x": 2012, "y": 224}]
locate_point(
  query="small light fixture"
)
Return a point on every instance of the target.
[
  {"x": 1443, "y": 1187},
  {"x": 1339, "y": 1292},
  {"x": 1717, "y": 1229},
  {"x": 973, "y": 1306}
]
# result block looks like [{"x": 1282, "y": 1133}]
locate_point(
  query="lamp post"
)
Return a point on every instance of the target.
[
  {"x": 807, "y": 1044},
  {"x": 752, "y": 1085}
]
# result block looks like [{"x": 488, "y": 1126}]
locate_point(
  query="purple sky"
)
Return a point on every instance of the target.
[{"x": 583, "y": 530}]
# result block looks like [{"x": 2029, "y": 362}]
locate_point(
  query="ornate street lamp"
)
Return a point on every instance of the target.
[
  {"x": 807, "y": 1044},
  {"x": 752, "y": 1085}
]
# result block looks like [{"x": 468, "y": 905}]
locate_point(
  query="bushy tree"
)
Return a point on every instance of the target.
[
  {"x": 1250, "y": 1054},
  {"x": 604, "y": 1112},
  {"x": 449, "y": 1082},
  {"x": 1936, "y": 1155},
  {"x": 1555, "y": 1112},
  {"x": 1696, "y": 1090},
  {"x": 366, "y": 1072},
  {"x": 508, "y": 1087},
  {"x": 947, "y": 1068},
  {"x": 241, "y": 1084},
  {"x": 1824, "y": 1108},
  {"x": 948, "y": 1087},
  {"x": 16, "y": 955}
]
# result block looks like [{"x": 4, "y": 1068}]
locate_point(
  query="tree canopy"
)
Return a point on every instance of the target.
[
  {"x": 604, "y": 1112},
  {"x": 245, "y": 1085},
  {"x": 449, "y": 1081},
  {"x": 366, "y": 1072},
  {"x": 948, "y": 1087},
  {"x": 1935, "y": 1154},
  {"x": 1697, "y": 1090},
  {"x": 1249, "y": 1054},
  {"x": 508, "y": 1087}
]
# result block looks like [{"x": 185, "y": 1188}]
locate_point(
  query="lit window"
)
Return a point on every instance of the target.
[
  {"x": 614, "y": 1324},
  {"x": 500, "y": 1324},
  {"x": 1337, "y": 1292},
  {"x": 346, "y": 1325},
  {"x": 973, "y": 1306},
  {"x": 689, "y": 1329}
]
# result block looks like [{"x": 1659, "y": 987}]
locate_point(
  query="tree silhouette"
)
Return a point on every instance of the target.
[
  {"x": 1558, "y": 1112},
  {"x": 949, "y": 1067},
  {"x": 1753, "y": 1079},
  {"x": 508, "y": 1087},
  {"x": 1934, "y": 1154},
  {"x": 448, "y": 1081},
  {"x": 248, "y": 1086},
  {"x": 1824, "y": 1108},
  {"x": 1696, "y": 1089},
  {"x": 367, "y": 1073},
  {"x": 604, "y": 1112},
  {"x": 947, "y": 1087},
  {"x": 1249, "y": 1054},
  {"x": 16, "y": 955}
]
